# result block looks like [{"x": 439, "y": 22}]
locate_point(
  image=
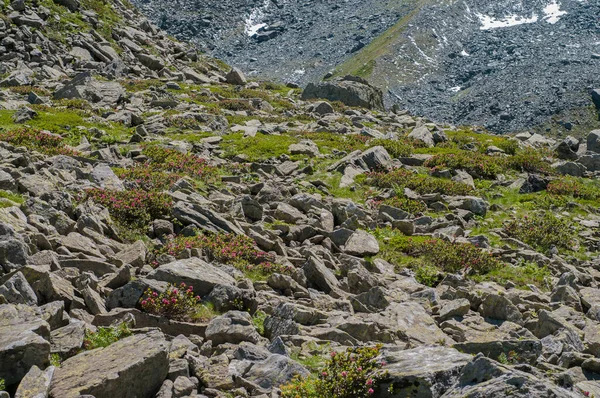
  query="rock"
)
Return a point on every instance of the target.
[
  {"x": 36, "y": 383},
  {"x": 498, "y": 307},
  {"x": 16, "y": 290},
  {"x": 304, "y": 147},
  {"x": 251, "y": 208},
  {"x": 352, "y": 91},
  {"x": 569, "y": 168},
  {"x": 527, "y": 351},
  {"x": 236, "y": 76},
  {"x": 134, "y": 254},
  {"x": 455, "y": 308},
  {"x": 421, "y": 372},
  {"x": 23, "y": 115},
  {"x": 534, "y": 183},
  {"x": 193, "y": 272},
  {"x": 274, "y": 371},
  {"x": 423, "y": 135},
  {"x": 24, "y": 342},
  {"x": 593, "y": 141},
  {"x": 233, "y": 327},
  {"x": 72, "y": 5},
  {"x": 84, "y": 86},
  {"x": 361, "y": 244},
  {"x": 150, "y": 61},
  {"x": 108, "y": 373},
  {"x": 323, "y": 108},
  {"x": 106, "y": 178},
  {"x": 318, "y": 274},
  {"x": 596, "y": 98},
  {"x": 567, "y": 148},
  {"x": 68, "y": 340}
]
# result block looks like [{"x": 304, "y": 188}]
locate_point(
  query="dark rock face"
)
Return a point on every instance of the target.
[{"x": 351, "y": 91}]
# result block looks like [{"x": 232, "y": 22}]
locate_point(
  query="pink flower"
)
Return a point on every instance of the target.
[
  {"x": 324, "y": 374},
  {"x": 175, "y": 291},
  {"x": 344, "y": 373},
  {"x": 144, "y": 302},
  {"x": 154, "y": 294},
  {"x": 371, "y": 391},
  {"x": 165, "y": 301},
  {"x": 370, "y": 382}
]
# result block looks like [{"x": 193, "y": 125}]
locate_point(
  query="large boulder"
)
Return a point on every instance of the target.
[
  {"x": 362, "y": 244},
  {"x": 350, "y": 90},
  {"x": 84, "y": 86},
  {"x": 133, "y": 367},
  {"x": 593, "y": 141},
  {"x": 233, "y": 327},
  {"x": 421, "y": 372},
  {"x": 596, "y": 97},
  {"x": 24, "y": 342},
  {"x": 193, "y": 272}
]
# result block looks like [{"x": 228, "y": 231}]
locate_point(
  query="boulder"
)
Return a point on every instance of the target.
[
  {"x": 274, "y": 371},
  {"x": 236, "y": 76},
  {"x": 495, "y": 306},
  {"x": 350, "y": 90},
  {"x": 84, "y": 86},
  {"x": 193, "y": 272},
  {"x": 361, "y": 244},
  {"x": 423, "y": 135},
  {"x": 420, "y": 372},
  {"x": 233, "y": 327},
  {"x": 36, "y": 383},
  {"x": 17, "y": 290},
  {"x": 593, "y": 141},
  {"x": 135, "y": 365}
]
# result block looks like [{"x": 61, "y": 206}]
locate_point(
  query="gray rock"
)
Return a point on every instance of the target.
[
  {"x": 569, "y": 168},
  {"x": 108, "y": 373},
  {"x": 151, "y": 62},
  {"x": 193, "y": 272},
  {"x": 36, "y": 383},
  {"x": 454, "y": 308},
  {"x": 320, "y": 276},
  {"x": 72, "y": 5},
  {"x": 423, "y": 135},
  {"x": 134, "y": 254},
  {"x": 304, "y": 147},
  {"x": 24, "y": 114},
  {"x": 323, "y": 108},
  {"x": 421, "y": 372},
  {"x": 352, "y": 91},
  {"x": 232, "y": 327},
  {"x": 274, "y": 371},
  {"x": 498, "y": 307},
  {"x": 236, "y": 76},
  {"x": 84, "y": 86},
  {"x": 16, "y": 290},
  {"x": 593, "y": 141},
  {"x": 106, "y": 178},
  {"x": 68, "y": 340},
  {"x": 361, "y": 244}
]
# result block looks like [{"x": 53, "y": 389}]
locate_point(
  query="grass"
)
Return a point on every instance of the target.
[
  {"x": 13, "y": 197},
  {"x": 258, "y": 319},
  {"x": 521, "y": 275},
  {"x": 105, "y": 336},
  {"x": 257, "y": 148}
]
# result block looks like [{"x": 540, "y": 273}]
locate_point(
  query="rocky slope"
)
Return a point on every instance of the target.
[
  {"x": 170, "y": 229},
  {"x": 507, "y": 65}
]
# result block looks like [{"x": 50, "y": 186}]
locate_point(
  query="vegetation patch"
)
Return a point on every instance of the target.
[
  {"x": 105, "y": 336},
  {"x": 542, "y": 231},
  {"x": 420, "y": 183},
  {"x": 176, "y": 302},
  {"x": 574, "y": 187},
  {"x": 38, "y": 140},
  {"x": 237, "y": 250},
  {"x": 350, "y": 374},
  {"x": 260, "y": 147}
]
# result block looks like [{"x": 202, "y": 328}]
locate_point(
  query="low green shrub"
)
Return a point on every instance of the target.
[
  {"x": 530, "y": 160},
  {"x": 420, "y": 183},
  {"x": 412, "y": 206},
  {"x": 541, "y": 230},
  {"x": 521, "y": 275},
  {"x": 396, "y": 148},
  {"x": 354, "y": 373},
  {"x": 162, "y": 159},
  {"x": 105, "y": 336},
  {"x": 148, "y": 179},
  {"x": 2, "y": 385}
]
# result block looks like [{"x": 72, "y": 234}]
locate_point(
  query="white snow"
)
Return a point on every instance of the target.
[
  {"x": 488, "y": 22},
  {"x": 299, "y": 72},
  {"x": 553, "y": 12},
  {"x": 464, "y": 53},
  {"x": 254, "y": 21},
  {"x": 455, "y": 89}
]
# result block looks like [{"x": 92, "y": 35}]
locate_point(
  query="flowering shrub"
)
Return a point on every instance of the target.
[
  {"x": 351, "y": 374},
  {"x": 396, "y": 148},
  {"x": 135, "y": 207},
  {"x": 104, "y": 337},
  {"x": 412, "y": 206},
  {"x": 573, "y": 187},
  {"x": 237, "y": 250},
  {"x": 474, "y": 163},
  {"x": 39, "y": 140},
  {"x": 530, "y": 160},
  {"x": 177, "y": 302},
  {"x": 422, "y": 184},
  {"x": 148, "y": 179},
  {"x": 541, "y": 230},
  {"x": 171, "y": 160},
  {"x": 453, "y": 256}
]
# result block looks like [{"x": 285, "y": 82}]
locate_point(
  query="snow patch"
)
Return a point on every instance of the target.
[
  {"x": 455, "y": 89},
  {"x": 488, "y": 22},
  {"x": 465, "y": 54},
  {"x": 254, "y": 21},
  {"x": 553, "y": 12}
]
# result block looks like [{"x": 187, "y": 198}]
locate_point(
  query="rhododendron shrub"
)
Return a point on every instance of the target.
[
  {"x": 354, "y": 373},
  {"x": 177, "y": 302},
  {"x": 39, "y": 140}
]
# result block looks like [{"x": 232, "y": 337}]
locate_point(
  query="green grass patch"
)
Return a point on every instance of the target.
[
  {"x": 105, "y": 336},
  {"x": 260, "y": 147}
]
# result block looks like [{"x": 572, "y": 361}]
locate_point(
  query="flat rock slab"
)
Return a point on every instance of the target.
[
  {"x": 134, "y": 367},
  {"x": 422, "y": 372},
  {"x": 193, "y": 272}
]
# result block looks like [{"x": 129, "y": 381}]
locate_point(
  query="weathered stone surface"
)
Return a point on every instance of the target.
[
  {"x": 274, "y": 371},
  {"x": 421, "y": 372},
  {"x": 352, "y": 91},
  {"x": 137, "y": 364},
  {"x": 361, "y": 244},
  {"x": 84, "y": 86},
  {"x": 16, "y": 290},
  {"x": 233, "y": 327},
  {"x": 36, "y": 383},
  {"x": 194, "y": 272}
]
